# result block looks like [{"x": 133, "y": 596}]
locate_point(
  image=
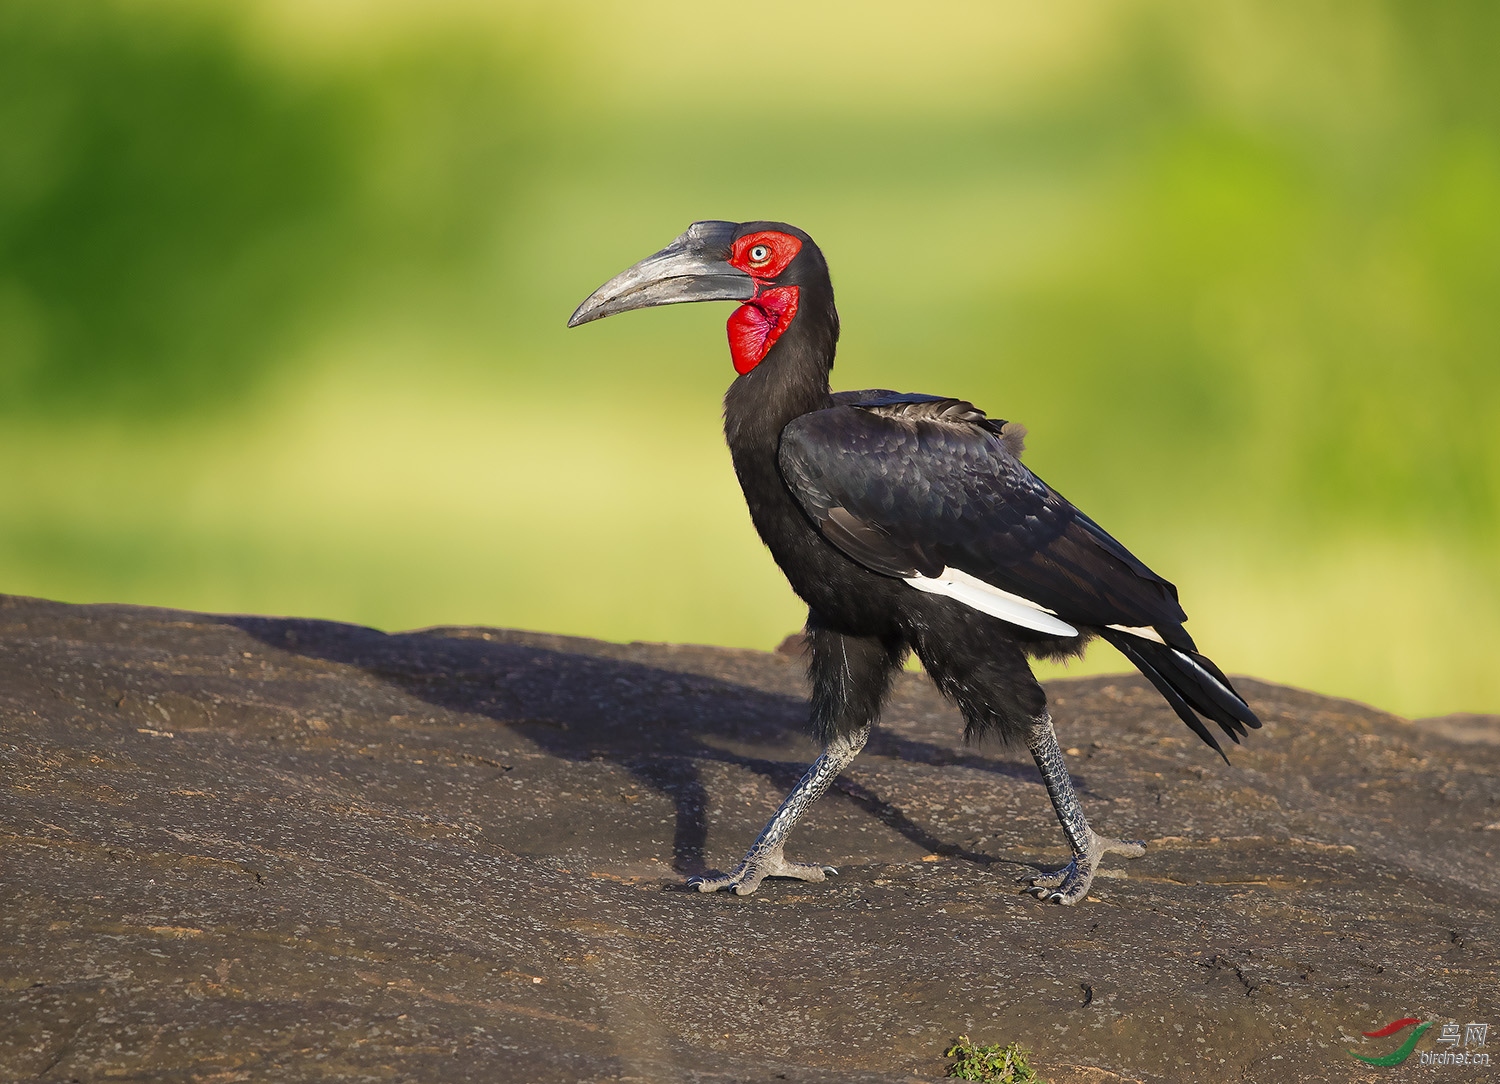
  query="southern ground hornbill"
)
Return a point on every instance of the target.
[{"x": 908, "y": 523}]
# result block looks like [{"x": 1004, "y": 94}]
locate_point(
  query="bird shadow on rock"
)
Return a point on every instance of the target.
[{"x": 576, "y": 700}]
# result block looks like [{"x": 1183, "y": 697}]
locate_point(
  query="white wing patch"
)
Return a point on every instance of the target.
[
  {"x": 1145, "y": 632},
  {"x": 986, "y": 598}
]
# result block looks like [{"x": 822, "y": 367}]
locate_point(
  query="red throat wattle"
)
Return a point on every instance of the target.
[{"x": 755, "y": 326}]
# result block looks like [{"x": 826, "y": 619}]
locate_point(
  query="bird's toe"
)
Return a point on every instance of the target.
[
  {"x": 743, "y": 879},
  {"x": 1071, "y": 883},
  {"x": 804, "y": 871},
  {"x": 747, "y": 876},
  {"x": 1044, "y": 881},
  {"x": 1069, "y": 894},
  {"x": 1067, "y": 886},
  {"x": 1130, "y": 848},
  {"x": 747, "y": 886}
]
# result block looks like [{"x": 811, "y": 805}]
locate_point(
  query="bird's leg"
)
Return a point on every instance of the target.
[
  {"x": 850, "y": 678},
  {"x": 1071, "y": 883},
  {"x": 764, "y": 858}
]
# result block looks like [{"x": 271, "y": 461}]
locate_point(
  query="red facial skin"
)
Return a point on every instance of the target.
[
  {"x": 781, "y": 249},
  {"x": 755, "y": 326}
]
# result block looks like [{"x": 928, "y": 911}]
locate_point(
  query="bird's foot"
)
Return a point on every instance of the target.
[
  {"x": 1071, "y": 883},
  {"x": 746, "y": 877}
]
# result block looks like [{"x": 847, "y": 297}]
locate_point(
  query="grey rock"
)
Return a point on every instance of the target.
[{"x": 239, "y": 848}]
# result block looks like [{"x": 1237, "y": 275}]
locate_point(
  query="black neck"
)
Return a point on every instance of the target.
[{"x": 791, "y": 380}]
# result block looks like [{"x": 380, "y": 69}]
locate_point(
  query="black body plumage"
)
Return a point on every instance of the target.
[
  {"x": 913, "y": 484},
  {"x": 874, "y": 503}
]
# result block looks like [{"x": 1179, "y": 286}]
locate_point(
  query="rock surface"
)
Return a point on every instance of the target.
[{"x": 253, "y": 849}]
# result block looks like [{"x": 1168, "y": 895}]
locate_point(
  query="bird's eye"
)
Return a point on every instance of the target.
[{"x": 760, "y": 254}]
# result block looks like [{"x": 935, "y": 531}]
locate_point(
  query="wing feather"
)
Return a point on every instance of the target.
[
  {"x": 922, "y": 484},
  {"x": 931, "y": 491}
]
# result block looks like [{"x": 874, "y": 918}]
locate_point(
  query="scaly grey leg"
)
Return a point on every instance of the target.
[
  {"x": 1071, "y": 883},
  {"x": 764, "y": 858}
]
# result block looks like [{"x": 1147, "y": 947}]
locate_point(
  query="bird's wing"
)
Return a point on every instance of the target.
[{"x": 932, "y": 491}]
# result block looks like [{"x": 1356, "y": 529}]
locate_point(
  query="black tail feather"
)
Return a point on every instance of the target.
[
  {"x": 1192, "y": 684},
  {"x": 1172, "y": 696},
  {"x": 1205, "y": 694}
]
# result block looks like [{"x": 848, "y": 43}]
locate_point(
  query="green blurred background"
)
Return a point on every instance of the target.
[{"x": 283, "y": 283}]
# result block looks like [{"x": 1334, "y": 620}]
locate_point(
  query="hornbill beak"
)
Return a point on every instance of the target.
[{"x": 691, "y": 268}]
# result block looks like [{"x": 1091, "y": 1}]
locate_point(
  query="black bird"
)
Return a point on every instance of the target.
[{"x": 908, "y": 523}]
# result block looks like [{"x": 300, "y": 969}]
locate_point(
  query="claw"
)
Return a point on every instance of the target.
[
  {"x": 1071, "y": 883},
  {"x": 746, "y": 877}
]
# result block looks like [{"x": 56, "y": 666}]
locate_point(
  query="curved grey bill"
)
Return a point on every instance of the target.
[{"x": 691, "y": 268}]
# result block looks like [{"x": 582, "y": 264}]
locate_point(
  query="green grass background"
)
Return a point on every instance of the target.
[{"x": 283, "y": 284}]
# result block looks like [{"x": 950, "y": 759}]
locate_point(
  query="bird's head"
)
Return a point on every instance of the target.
[{"x": 775, "y": 271}]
